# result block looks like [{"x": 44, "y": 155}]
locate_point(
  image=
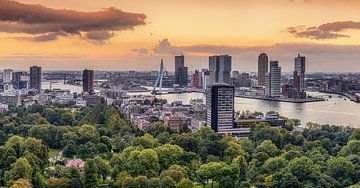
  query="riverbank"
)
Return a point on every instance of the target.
[{"x": 291, "y": 100}]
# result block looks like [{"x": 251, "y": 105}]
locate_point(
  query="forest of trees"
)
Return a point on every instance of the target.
[{"x": 117, "y": 155}]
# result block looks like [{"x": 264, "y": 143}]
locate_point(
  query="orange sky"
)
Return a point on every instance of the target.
[{"x": 186, "y": 23}]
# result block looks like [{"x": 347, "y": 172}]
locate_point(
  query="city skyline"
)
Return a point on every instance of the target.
[{"x": 139, "y": 35}]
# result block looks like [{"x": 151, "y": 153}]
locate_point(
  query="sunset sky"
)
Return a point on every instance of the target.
[{"x": 136, "y": 34}]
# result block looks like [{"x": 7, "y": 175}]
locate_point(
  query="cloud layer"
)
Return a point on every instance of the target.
[
  {"x": 45, "y": 24},
  {"x": 325, "y": 31},
  {"x": 320, "y": 57}
]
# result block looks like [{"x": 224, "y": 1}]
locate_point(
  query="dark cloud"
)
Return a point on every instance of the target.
[
  {"x": 325, "y": 31},
  {"x": 47, "y": 23}
]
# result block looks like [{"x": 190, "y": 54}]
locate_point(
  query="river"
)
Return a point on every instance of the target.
[{"x": 334, "y": 111}]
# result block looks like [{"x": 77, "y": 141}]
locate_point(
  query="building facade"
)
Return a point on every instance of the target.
[
  {"x": 220, "y": 107},
  {"x": 88, "y": 81},
  {"x": 21, "y": 80},
  {"x": 181, "y": 72},
  {"x": 197, "y": 79},
  {"x": 7, "y": 75},
  {"x": 263, "y": 62},
  {"x": 299, "y": 75},
  {"x": 220, "y": 69},
  {"x": 273, "y": 80},
  {"x": 35, "y": 77}
]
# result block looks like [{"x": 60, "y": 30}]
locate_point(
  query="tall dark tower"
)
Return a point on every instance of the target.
[
  {"x": 88, "y": 81},
  {"x": 263, "y": 62},
  {"x": 220, "y": 107},
  {"x": 35, "y": 77},
  {"x": 181, "y": 72}
]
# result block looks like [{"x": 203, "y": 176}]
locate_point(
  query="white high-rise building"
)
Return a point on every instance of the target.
[
  {"x": 7, "y": 75},
  {"x": 220, "y": 69},
  {"x": 205, "y": 78},
  {"x": 273, "y": 80}
]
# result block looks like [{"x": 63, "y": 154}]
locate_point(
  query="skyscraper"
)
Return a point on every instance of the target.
[
  {"x": 273, "y": 80},
  {"x": 35, "y": 77},
  {"x": 205, "y": 78},
  {"x": 21, "y": 80},
  {"x": 299, "y": 73},
  {"x": 88, "y": 81},
  {"x": 197, "y": 79},
  {"x": 220, "y": 69},
  {"x": 7, "y": 75},
  {"x": 262, "y": 68},
  {"x": 220, "y": 107},
  {"x": 181, "y": 72}
]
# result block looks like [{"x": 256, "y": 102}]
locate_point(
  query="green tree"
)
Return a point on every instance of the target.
[
  {"x": 268, "y": 147},
  {"x": 90, "y": 174},
  {"x": 185, "y": 183},
  {"x": 147, "y": 141},
  {"x": 341, "y": 169},
  {"x": 303, "y": 168},
  {"x": 285, "y": 180},
  {"x": 20, "y": 169},
  {"x": 21, "y": 183},
  {"x": 144, "y": 162},
  {"x": 169, "y": 155},
  {"x": 103, "y": 167},
  {"x": 141, "y": 182},
  {"x": 67, "y": 118},
  {"x": 176, "y": 172}
]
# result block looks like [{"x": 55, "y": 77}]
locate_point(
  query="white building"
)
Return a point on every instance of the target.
[
  {"x": 7, "y": 75},
  {"x": 273, "y": 80}
]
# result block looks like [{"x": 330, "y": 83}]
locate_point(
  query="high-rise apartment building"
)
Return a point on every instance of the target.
[
  {"x": 220, "y": 107},
  {"x": 262, "y": 68},
  {"x": 35, "y": 77},
  {"x": 7, "y": 75},
  {"x": 88, "y": 81},
  {"x": 181, "y": 72},
  {"x": 205, "y": 78},
  {"x": 21, "y": 80},
  {"x": 197, "y": 79},
  {"x": 273, "y": 80},
  {"x": 220, "y": 69},
  {"x": 299, "y": 73}
]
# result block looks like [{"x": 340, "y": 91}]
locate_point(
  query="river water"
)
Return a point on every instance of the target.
[{"x": 334, "y": 111}]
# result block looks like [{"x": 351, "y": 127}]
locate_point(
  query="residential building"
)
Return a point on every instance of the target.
[
  {"x": 220, "y": 69},
  {"x": 197, "y": 79},
  {"x": 88, "y": 81},
  {"x": 177, "y": 122},
  {"x": 20, "y": 80},
  {"x": 35, "y": 77},
  {"x": 299, "y": 76},
  {"x": 7, "y": 75},
  {"x": 206, "y": 79},
  {"x": 273, "y": 80},
  {"x": 220, "y": 107},
  {"x": 262, "y": 68}
]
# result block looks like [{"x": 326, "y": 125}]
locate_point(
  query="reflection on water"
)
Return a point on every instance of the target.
[
  {"x": 61, "y": 85},
  {"x": 335, "y": 110}
]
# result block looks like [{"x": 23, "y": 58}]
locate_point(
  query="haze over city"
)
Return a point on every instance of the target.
[{"x": 135, "y": 35}]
